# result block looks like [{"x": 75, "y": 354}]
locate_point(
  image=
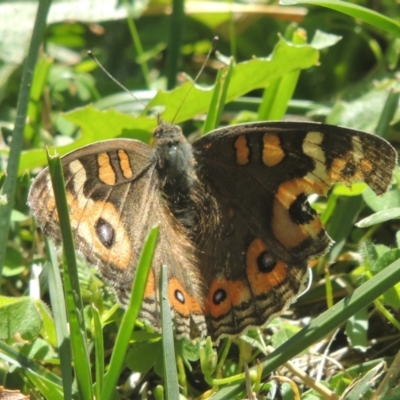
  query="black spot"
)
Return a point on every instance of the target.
[
  {"x": 179, "y": 296},
  {"x": 105, "y": 233},
  {"x": 219, "y": 296},
  {"x": 266, "y": 262},
  {"x": 349, "y": 169},
  {"x": 300, "y": 210}
]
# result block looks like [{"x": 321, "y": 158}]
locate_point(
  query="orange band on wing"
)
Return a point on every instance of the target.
[
  {"x": 125, "y": 164},
  {"x": 242, "y": 150},
  {"x": 106, "y": 172},
  {"x": 272, "y": 153}
]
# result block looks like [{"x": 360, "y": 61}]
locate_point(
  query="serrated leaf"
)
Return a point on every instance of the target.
[{"x": 259, "y": 73}]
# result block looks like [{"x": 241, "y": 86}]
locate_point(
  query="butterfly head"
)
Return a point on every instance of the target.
[{"x": 167, "y": 134}]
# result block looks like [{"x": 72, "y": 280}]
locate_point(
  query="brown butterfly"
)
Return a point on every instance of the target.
[{"x": 236, "y": 229}]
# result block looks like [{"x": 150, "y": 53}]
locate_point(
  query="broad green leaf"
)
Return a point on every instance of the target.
[
  {"x": 19, "y": 315},
  {"x": 259, "y": 73}
]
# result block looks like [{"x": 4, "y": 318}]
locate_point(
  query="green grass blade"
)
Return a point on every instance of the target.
[
  {"x": 137, "y": 44},
  {"x": 336, "y": 316},
  {"x": 130, "y": 316},
  {"x": 388, "y": 113},
  {"x": 47, "y": 379},
  {"x": 169, "y": 365},
  {"x": 177, "y": 21},
  {"x": 369, "y": 16},
  {"x": 276, "y": 97},
  {"x": 60, "y": 319},
  {"x": 48, "y": 389},
  {"x": 218, "y": 99},
  {"x": 71, "y": 285},
  {"x": 9, "y": 187},
  {"x": 99, "y": 351},
  {"x": 341, "y": 223},
  {"x": 325, "y": 323},
  {"x": 232, "y": 32}
]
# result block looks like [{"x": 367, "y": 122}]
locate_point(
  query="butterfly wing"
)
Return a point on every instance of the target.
[
  {"x": 114, "y": 199},
  {"x": 261, "y": 175}
]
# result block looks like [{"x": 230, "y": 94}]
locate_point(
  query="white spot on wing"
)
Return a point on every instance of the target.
[
  {"x": 78, "y": 173},
  {"x": 358, "y": 153},
  {"x": 312, "y": 148}
]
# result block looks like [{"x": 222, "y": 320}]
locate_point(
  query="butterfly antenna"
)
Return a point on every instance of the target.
[
  {"x": 212, "y": 48},
  {"x": 94, "y": 58}
]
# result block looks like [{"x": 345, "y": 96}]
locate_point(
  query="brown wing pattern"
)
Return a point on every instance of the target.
[
  {"x": 113, "y": 196},
  {"x": 261, "y": 175},
  {"x": 241, "y": 257}
]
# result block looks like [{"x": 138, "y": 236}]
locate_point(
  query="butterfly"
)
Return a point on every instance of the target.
[{"x": 236, "y": 228}]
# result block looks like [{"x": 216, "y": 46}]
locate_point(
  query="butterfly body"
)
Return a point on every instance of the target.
[{"x": 236, "y": 230}]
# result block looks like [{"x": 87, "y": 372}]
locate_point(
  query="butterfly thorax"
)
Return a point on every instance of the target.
[{"x": 175, "y": 166}]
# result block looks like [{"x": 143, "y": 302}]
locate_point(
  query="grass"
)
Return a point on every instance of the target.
[{"x": 334, "y": 341}]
